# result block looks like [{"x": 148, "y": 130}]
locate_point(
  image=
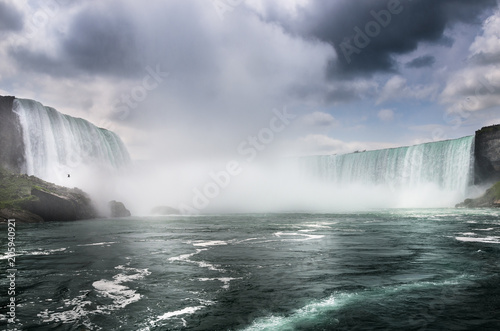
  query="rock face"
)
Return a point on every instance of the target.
[
  {"x": 30, "y": 199},
  {"x": 487, "y": 154},
  {"x": 73, "y": 205},
  {"x": 11, "y": 138},
  {"x": 118, "y": 209},
  {"x": 22, "y": 216}
]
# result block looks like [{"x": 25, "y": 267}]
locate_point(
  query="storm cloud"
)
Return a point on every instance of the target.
[
  {"x": 10, "y": 18},
  {"x": 421, "y": 62},
  {"x": 101, "y": 43},
  {"x": 366, "y": 35}
]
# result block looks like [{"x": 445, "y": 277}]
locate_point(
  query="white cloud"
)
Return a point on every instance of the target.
[
  {"x": 319, "y": 119},
  {"x": 386, "y": 115},
  {"x": 396, "y": 88},
  {"x": 477, "y": 86},
  {"x": 472, "y": 89},
  {"x": 489, "y": 42}
]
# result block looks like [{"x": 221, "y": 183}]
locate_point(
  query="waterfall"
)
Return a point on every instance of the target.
[
  {"x": 57, "y": 144},
  {"x": 446, "y": 164}
]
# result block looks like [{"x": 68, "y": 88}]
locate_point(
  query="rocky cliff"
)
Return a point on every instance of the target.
[
  {"x": 30, "y": 199},
  {"x": 487, "y": 154},
  {"x": 11, "y": 138},
  {"x": 118, "y": 209}
]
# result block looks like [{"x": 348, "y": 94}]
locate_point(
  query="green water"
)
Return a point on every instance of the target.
[{"x": 415, "y": 269}]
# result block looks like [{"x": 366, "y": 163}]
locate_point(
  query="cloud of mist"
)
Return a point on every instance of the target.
[{"x": 266, "y": 186}]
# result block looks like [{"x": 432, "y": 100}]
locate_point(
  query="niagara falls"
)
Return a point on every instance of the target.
[{"x": 250, "y": 165}]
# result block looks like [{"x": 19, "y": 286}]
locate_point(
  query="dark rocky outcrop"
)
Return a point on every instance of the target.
[
  {"x": 487, "y": 154},
  {"x": 11, "y": 138},
  {"x": 61, "y": 206},
  {"x": 19, "y": 215},
  {"x": 165, "y": 210},
  {"x": 30, "y": 199},
  {"x": 491, "y": 198},
  {"x": 118, "y": 209}
]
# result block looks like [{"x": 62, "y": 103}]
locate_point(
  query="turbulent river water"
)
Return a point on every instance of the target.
[{"x": 417, "y": 269}]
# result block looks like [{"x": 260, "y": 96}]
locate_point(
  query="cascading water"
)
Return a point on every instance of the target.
[
  {"x": 57, "y": 144},
  {"x": 448, "y": 165}
]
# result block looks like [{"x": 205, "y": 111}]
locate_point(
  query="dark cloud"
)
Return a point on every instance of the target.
[
  {"x": 96, "y": 43},
  {"x": 39, "y": 62},
  {"x": 10, "y": 18},
  {"x": 102, "y": 42},
  {"x": 421, "y": 62},
  {"x": 367, "y": 34}
]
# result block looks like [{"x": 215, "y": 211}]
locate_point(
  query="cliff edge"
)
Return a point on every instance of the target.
[
  {"x": 487, "y": 154},
  {"x": 29, "y": 199},
  {"x": 11, "y": 137}
]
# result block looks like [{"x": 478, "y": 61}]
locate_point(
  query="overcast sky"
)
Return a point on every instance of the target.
[{"x": 177, "y": 78}]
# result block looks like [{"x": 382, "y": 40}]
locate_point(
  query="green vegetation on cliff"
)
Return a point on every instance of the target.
[
  {"x": 15, "y": 190},
  {"x": 30, "y": 199},
  {"x": 491, "y": 198}
]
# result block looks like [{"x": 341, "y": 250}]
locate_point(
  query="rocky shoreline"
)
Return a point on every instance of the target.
[
  {"x": 490, "y": 199},
  {"x": 28, "y": 199}
]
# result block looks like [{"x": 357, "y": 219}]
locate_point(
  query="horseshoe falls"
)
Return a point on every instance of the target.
[
  {"x": 443, "y": 167},
  {"x": 56, "y": 145}
]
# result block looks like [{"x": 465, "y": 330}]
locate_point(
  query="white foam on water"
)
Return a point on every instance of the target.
[
  {"x": 121, "y": 295},
  {"x": 307, "y": 236},
  {"x": 245, "y": 240},
  {"x": 201, "y": 264},
  {"x": 187, "y": 310},
  {"x": 224, "y": 280},
  {"x": 467, "y": 234},
  {"x": 308, "y": 312},
  {"x": 185, "y": 257},
  {"x": 45, "y": 252},
  {"x": 210, "y": 243},
  {"x": 320, "y": 225},
  {"x": 6, "y": 256},
  {"x": 48, "y": 252},
  {"x": 327, "y": 307},
  {"x": 173, "y": 314},
  {"x": 209, "y": 266},
  {"x": 99, "y": 244},
  {"x": 37, "y": 252},
  {"x": 488, "y": 240},
  {"x": 78, "y": 310}
]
